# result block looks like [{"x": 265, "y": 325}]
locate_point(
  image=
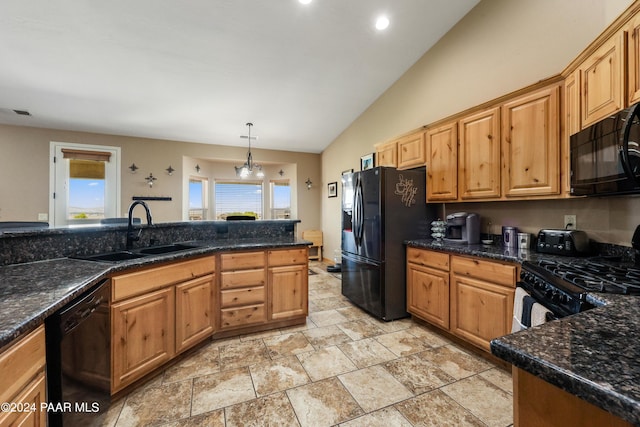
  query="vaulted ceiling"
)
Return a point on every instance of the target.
[{"x": 199, "y": 70}]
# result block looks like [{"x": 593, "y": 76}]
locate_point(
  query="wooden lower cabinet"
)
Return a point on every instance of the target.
[
  {"x": 470, "y": 297},
  {"x": 536, "y": 403},
  {"x": 143, "y": 335},
  {"x": 289, "y": 295},
  {"x": 243, "y": 282},
  {"x": 23, "y": 382},
  {"x": 428, "y": 286},
  {"x": 194, "y": 311}
]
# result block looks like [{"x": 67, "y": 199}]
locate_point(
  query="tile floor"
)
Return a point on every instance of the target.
[{"x": 342, "y": 368}]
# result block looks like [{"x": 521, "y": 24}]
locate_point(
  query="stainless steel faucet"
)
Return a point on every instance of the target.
[{"x": 131, "y": 235}]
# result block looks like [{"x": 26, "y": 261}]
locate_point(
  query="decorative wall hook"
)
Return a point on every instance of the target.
[{"x": 150, "y": 179}]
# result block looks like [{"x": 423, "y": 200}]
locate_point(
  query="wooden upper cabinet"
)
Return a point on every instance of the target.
[
  {"x": 411, "y": 151},
  {"x": 633, "y": 60},
  {"x": 442, "y": 162},
  {"x": 387, "y": 154},
  {"x": 602, "y": 78},
  {"x": 531, "y": 144},
  {"x": 479, "y": 155}
]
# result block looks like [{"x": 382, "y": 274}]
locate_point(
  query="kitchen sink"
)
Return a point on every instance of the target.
[
  {"x": 113, "y": 256},
  {"x": 165, "y": 249}
]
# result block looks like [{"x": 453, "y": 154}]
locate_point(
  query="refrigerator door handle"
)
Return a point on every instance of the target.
[{"x": 358, "y": 210}]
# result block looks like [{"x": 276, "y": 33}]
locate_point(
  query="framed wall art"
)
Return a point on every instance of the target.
[
  {"x": 366, "y": 162},
  {"x": 332, "y": 189}
]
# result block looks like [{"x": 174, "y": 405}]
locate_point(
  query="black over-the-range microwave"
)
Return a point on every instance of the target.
[{"x": 605, "y": 157}]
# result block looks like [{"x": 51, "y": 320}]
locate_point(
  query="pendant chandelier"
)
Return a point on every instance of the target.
[{"x": 249, "y": 166}]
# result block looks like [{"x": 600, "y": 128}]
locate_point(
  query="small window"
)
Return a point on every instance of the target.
[
  {"x": 198, "y": 198},
  {"x": 238, "y": 198},
  {"x": 280, "y": 199}
]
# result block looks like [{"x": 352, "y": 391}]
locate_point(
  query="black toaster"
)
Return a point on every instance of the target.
[{"x": 562, "y": 242}]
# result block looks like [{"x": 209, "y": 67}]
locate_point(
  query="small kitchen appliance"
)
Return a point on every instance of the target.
[
  {"x": 510, "y": 237},
  {"x": 562, "y": 242},
  {"x": 463, "y": 228}
]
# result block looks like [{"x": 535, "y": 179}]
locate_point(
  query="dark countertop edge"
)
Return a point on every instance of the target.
[
  {"x": 592, "y": 392},
  {"x": 598, "y": 395},
  {"x": 32, "y": 323}
]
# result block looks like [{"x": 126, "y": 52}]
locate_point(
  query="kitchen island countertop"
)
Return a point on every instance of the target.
[
  {"x": 593, "y": 355},
  {"x": 30, "y": 292}
]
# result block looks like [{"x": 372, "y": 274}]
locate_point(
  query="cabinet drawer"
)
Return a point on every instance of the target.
[
  {"x": 238, "y": 297},
  {"x": 493, "y": 272},
  {"x": 239, "y": 279},
  {"x": 20, "y": 363},
  {"x": 428, "y": 258},
  {"x": 288, "y": 257},
  {"x": 142, "y": 281},
  {"x": 231, "y": 317},
  {"x": 241, "y": 260}
]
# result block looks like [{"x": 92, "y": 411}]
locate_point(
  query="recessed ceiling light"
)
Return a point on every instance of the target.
[
  {"x": 305, "y": 1},
  {"x": 382, "y": 23}
]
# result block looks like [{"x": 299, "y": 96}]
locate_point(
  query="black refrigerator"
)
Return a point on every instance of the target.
[{"x": 381, "y": 208}]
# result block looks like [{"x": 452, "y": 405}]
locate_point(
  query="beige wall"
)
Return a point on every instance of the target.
[
  {"x": 499, "y": 47},
  {"x": 24, "y": 171}
]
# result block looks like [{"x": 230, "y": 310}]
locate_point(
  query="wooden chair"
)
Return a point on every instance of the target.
[{"x": 315, "y": 250}]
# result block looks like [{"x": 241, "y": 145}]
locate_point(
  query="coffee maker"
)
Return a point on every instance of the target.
[{"x": 463, "y": 228}]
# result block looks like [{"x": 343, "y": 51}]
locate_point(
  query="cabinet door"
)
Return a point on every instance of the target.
[
  {"x": 194, "y": 312},
  {"x": 288, "y": 287},
  {"x": 480, "y": 311},
  {"x": 32, "y": 396},
  {"x": 633, "y": 60},
  {"x": 428, "y": 294},
  {"x": 479, "y": 155},
  {"x": 411, "y": 151},
  {"x": 531, "y": 144},
  {"x": 442, "y": 163},
  {"x": 572, "y": 125},
  {"x": 387, "y": 154},
  {"x": 602, "y": 76},
  {"x": 143, "y": 335}
]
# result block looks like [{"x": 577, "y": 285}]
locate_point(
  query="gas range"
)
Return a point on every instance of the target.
[{"x": 562, "y": 285}]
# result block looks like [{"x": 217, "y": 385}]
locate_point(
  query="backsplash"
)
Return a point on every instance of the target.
[{"x": 37, "y": 245}]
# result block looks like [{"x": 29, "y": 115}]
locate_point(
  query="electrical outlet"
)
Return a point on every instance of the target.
[
  {"x": 43, "y": 217},
  {"x": 570, "y": 222}
]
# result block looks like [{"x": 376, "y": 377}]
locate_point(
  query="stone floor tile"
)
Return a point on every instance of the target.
[
  {"x": 260, "y": 335},
  {"x": 353, "y": 313},
  {"x": 209, "y": 419},
  {"x": 287, "y": 345},
  {"x": 386, "y": 417},
  {"x": 323, "y": 403},
  {"x": 359, "y": 329},
  {"x": 331, "y": 303},
  {"x": 326, "y": 317},
  {"x": 308, "y": 324},
  {"x": 325, "y": 363},
  {"x": 374, "y": 388},
  {"x": 499, "y": 377},
  {"x": 402, "y": 343},
  {"x": 483, "y": 399},
  {"x": 243, "y": 353},
  {"x": 156, "y": 404},
  {"x": 278, "y": 375},
  {"x": 430, "y": 337},
  {"x": 204, "y": 361},
  {"x": 456, "y": 362},
  {"x": 272, "y": 410},
  {"x": 436, "y": 409},
  {"x": 326, "y": 336},
  {"x": 222, "y": 389},
  {"x": 394, "y": 325},
  {"x": 417, "y": 373},
  {"x": 366, "y": 352}
]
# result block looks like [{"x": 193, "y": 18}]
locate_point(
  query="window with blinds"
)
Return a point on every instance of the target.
[{"x": 238, "y": 198}]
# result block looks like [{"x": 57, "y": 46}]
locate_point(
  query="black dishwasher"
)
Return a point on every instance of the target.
[{"x": 78, "y": 359}]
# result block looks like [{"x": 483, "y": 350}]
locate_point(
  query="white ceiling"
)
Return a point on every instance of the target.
[{"x": 199, "y": 70}]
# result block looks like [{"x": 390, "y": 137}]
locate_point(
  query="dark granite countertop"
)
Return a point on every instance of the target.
[
  {"x": 30, "y": 292},
  {"x": 594, "y": 355}
]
